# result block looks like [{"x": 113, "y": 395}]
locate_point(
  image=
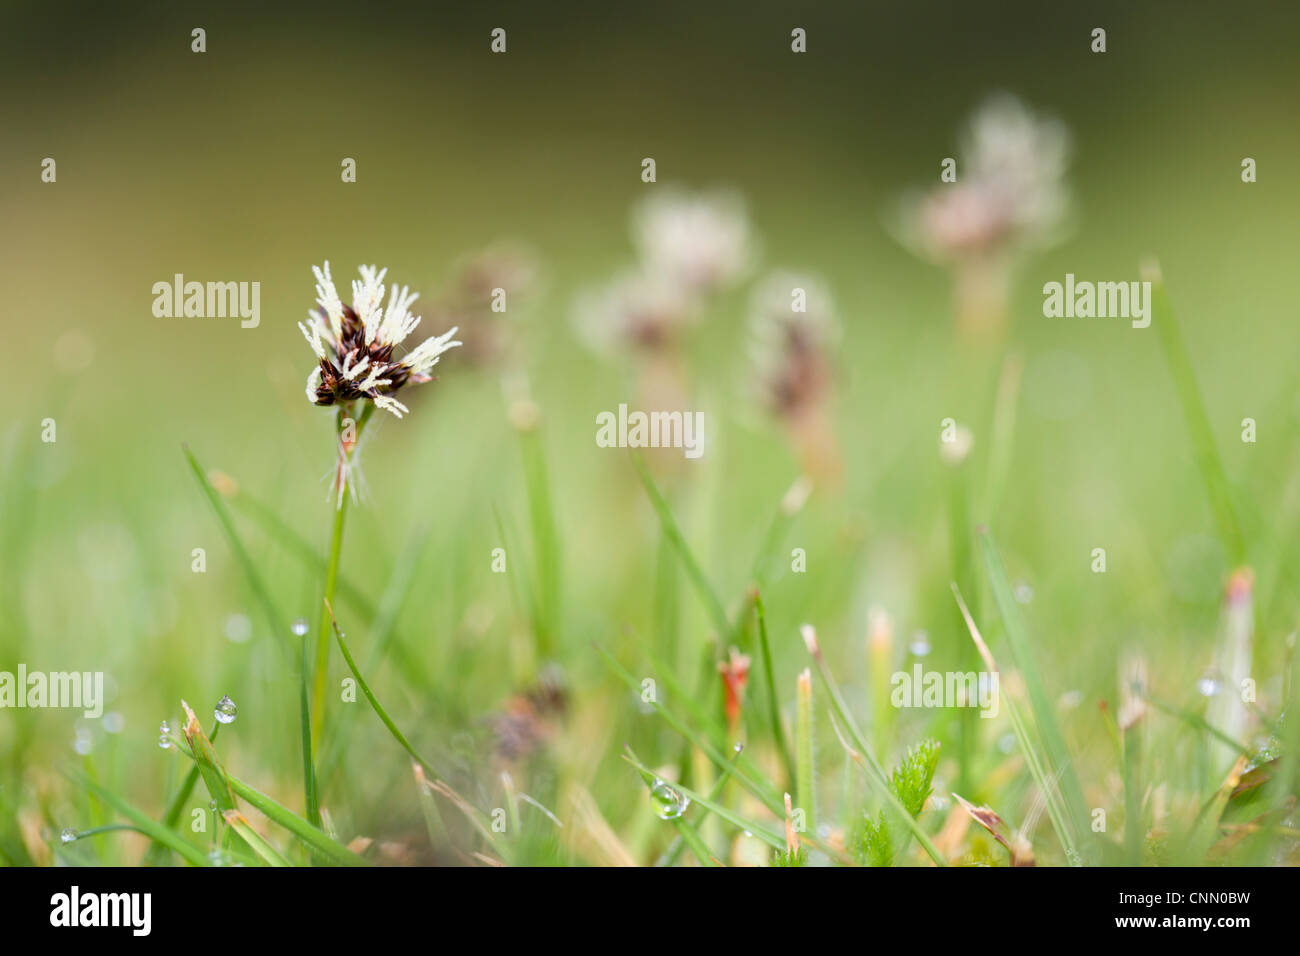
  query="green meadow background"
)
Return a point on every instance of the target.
[{"x": 225, "y": 166}]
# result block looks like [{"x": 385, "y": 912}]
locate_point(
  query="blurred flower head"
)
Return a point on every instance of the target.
[
  {"x": 486, "y": 288},
  {"x": 1010, "y": 191},
  {"x": 635, "y": 310},
  {"x": 355, "y": 344},
  {"x": 792, "y": 332},
  {"x": 690, "y": 247},
  {"x": 701, "y": 242}
]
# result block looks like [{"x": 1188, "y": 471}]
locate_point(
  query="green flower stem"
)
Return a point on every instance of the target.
[{"x": 321, "y": 669}]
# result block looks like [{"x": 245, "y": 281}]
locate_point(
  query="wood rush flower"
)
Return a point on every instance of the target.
[{"x": 355, "y": 344}]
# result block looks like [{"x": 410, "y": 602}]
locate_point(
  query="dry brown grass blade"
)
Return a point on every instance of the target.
[{"x": 1022, "y": 854}]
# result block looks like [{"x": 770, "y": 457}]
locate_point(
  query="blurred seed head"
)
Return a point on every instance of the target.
[
  {"x": 468, "y": 301},
  {"x": 701, "y": 242},
  {"x": 791, "y": 349},
  {"x": 640, "y": 311},
  {"x": 1010, "y": 192}
]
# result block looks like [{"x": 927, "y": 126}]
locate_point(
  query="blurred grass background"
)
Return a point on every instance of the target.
[{"x": 225, "y": 166}]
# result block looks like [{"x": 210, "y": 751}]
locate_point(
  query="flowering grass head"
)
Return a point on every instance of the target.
[
  {"x": 1011, "y": 192},
  {"x": 355, "y": 344}
]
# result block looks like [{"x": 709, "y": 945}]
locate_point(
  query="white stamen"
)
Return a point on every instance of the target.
[
  {"x": 425, "y": 355},
  {"x": 313, "y": 381},
  {"x": 357, "y": 369},
  {"x": 328, "y": 298},
  {"x": 312, "y": 334},
  {"x": 391, "y": 405},
  {"x": 372, "y": 380},
  {"x": 398, "y": 322},
  {"x": 367, "y": 297}
]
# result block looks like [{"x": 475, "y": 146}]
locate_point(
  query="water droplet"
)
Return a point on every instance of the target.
[
  {"x": 300, "y": 626},
  {"x": 1207, "y": 687},
  {"x": 164, "y": 742},
  {"x": 68, "y": 835},
  {"x": 225, "y": 710},
  {"x": 164, "y": 728},
  {"x": 84, "y": 742},
  {"x": 920, "y": 644},
  {"x": 668, "y": 803},
  {"x": 1007, "y": 743},
  {"x": 1024, "y": 592}
]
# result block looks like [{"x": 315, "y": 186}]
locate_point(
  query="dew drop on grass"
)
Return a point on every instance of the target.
[
  {"x": 225, "y": 711},
  {"x": 68, "y": 835},
  {"x": 1024, "y": 592},
  {"x": 920, "y": 644},
  {"x": 164, "y": 735},
  {"x": 1207, "y": 687},
  {"x": 668, "y": 803},
  {"x": 300, "y": 626}
]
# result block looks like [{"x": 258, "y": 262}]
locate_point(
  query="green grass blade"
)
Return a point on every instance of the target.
[
  {"x": 773, "y": 701},
  {"x": 1056, "y": 811},
  {"x": 374, "y": 701},
  {"x": 1198, "y": 422},
  {"x": 437, "y": 830},
  {"x": 688, "y": 835},
  {"x": 317, "y": 840},
  {"x": 273, "y": 618},
  {"x": 737, "y": 820},
  {"x": 244, "y": 559},
  {"x": 1200, "y": 723},
  {"x": 742, "y": 773},
  {"x": 205, "y": 758},
  {"x": 152, "y": 828},
  {"x": 877, "y": 772},
  {"x": 1041, "y": 708},
  {"x": 546, "y": 542},
  {"x": 674, "y": 851},
  {"x": 693, "y": 570},
  {"x": 691, "y": 837},
  {"x": 805, "y": 793},
  {"x": 258, "y": 843},
  {"x": 382, "y": 618},
  {"x": 157, "y": 854}
]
